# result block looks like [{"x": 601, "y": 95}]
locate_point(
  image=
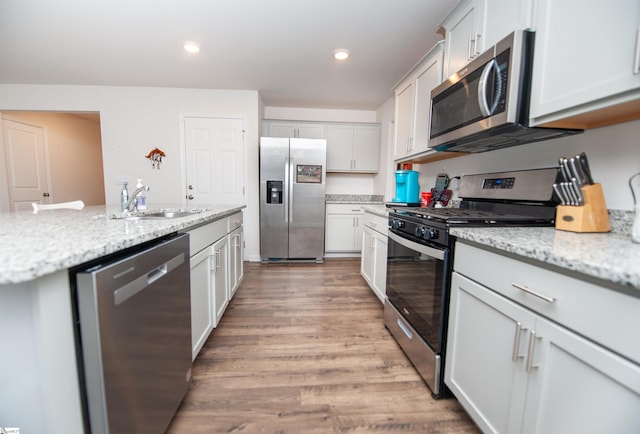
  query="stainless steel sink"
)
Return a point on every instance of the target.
[{"x": 154, "y": 215}]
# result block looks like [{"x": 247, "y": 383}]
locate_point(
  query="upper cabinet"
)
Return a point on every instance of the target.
[
  {"x": 301, "y": 130},
  {"x": 353, "y": 148},
  {"x": 586, "y": 63},
  {"x": 413, "y": 104},
  {"x": 474, "y": 25}
]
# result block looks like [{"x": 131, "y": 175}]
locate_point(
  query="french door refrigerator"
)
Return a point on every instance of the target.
[{"x": 292, "y": 199}]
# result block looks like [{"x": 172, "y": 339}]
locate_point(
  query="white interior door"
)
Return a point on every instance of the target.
[
  {"x": 215, "y": 160},
  {"x": 26, "y": 163}
]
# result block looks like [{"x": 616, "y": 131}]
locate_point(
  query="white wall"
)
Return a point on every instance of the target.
[
  {"x": 135, "y": 120},
  {"x": 384, "y": 182},
  {"x": 613, "y": 152}
]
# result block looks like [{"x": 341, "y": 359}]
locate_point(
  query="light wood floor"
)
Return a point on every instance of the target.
[{"x": 302, "y": 348}]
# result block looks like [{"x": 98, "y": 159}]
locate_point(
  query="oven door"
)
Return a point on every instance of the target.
[{"x": 417, "y": 286}]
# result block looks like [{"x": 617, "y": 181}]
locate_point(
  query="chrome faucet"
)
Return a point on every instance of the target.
[{"x": 133, "y": 200}]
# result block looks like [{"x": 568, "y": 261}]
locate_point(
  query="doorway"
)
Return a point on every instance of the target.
[{"x": 70, "y": 157}]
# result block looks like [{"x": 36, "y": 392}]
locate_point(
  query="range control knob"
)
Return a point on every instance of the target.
[
  {"x": 420, "y": 231},
  {"x": 396, "y": 224},
  {"x": 430, "y": 234}
]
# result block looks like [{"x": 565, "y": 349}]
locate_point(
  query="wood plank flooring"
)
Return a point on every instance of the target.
[{"x": 302, "y": 348}]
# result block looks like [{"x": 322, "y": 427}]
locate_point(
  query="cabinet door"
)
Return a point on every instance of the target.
[
  {"x": 201, "y": 300},
  {"x": 339, "y": 147},
  {"x": 577, "y": 386},
  {"x": 341, "y": 233},
  {"x": 366, "y": 148},
  {"x": 463, "y": 40},
  {"x": 379, "y": 265},
  {"x": 311, "y": 131},
  {"x": 367, "y": 256},
  {"x": 236, "y": 266},
  {"x": 601, "y": 43},
  {"x": 282, "y": 129},
  {"x": 485, "y": 367},
  {"x": 428, "y": 77},
  {"x": 220, "y": 277},
  {"x": 405, "y": 98}
]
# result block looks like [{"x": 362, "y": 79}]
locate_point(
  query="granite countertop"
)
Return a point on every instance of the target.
[
  {"x": 34, "y": 245},
  {"x": 380, "y": 210},
  {"x": 354, "y": 198},
  {"x": 610, "y": 257}
]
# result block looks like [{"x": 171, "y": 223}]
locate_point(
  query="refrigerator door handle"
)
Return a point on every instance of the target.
[
  {"x": 286, "y": 190},
  {"x": 290, "y": 187}
]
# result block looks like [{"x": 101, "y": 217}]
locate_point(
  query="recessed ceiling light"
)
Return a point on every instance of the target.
[
  {"x": 341, "y": 54},
  {"x": 191, "y": 47}
]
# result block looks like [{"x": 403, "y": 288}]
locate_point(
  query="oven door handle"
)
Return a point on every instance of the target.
[{"x": 426, "y": 250}]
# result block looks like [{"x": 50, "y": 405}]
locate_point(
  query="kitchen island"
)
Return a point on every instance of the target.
[{"x": 39, "y": 371}]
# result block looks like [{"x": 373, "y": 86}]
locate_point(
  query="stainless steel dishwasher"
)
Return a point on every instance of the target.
[{"x": 134, "y": 319}]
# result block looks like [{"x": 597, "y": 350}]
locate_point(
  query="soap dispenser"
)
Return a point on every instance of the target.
[
  {"x": 634, "y": 183},
  {"x": 142, "y": 199},
  {"x": 124, "y": 195}
]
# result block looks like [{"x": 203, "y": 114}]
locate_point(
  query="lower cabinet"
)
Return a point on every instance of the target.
[
  {"x": 514, "y": 370},
  {"x": 343, "y": 230},
  {"x": 216, "y": 259},
  {"x": 374, "y": 253}
]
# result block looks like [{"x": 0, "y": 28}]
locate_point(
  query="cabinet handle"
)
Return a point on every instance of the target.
[
  {"x": 469, "y": 48},
  {"x": 534, "y": 293},
  {"x": 217, "y": 261},
  {"x": 636, "y": 60},
  {"x": 532, "y": 343},
  {"x": 476, "y": 36},
  {"x": 516, "y": 342}
]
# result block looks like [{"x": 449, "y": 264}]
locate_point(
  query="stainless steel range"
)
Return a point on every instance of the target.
[{"x": 420, "y": 256}]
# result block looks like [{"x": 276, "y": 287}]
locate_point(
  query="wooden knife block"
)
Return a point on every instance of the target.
[{"x": 590, "y": 217}]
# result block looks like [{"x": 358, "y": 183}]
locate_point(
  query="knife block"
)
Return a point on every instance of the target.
[{"x": 592, "y": 216}]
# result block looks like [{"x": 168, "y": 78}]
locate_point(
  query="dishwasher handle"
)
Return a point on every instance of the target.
[{"x": 127, "y": 291}]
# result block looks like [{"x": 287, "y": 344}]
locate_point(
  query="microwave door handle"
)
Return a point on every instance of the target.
[{"x": 483, "y": 88}]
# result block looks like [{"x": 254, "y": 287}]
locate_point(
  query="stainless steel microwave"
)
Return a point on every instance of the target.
[{"x": 485, "y": 105}]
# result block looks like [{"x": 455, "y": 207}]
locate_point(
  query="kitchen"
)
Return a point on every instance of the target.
[{"x": 611, "y": 149}]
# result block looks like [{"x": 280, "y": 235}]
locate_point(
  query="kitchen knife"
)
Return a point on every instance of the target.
[
  {"x": 577, "y": 188},
  {"x": 584, "y": 164},
  {"x": 567, "y": 169},
  {"x": 575, "y": 172},
  {"x": 567, "y": 192},
  {"x": 560, "y": 194},
  {"x": 564, "y": 170}
]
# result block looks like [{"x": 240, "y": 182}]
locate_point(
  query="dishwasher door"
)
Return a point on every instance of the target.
[{"x": 135, "y": 329}]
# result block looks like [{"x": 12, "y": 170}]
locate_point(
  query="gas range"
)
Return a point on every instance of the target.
[{"x": 521, "y": 198}]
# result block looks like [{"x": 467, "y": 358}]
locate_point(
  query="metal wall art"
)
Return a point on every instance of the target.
[{"x": 156, "y": 155}]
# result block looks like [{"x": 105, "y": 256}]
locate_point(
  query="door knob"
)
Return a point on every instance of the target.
[
  {"x": 190, "y": 187},
  {"x": 189, "y": 196}
]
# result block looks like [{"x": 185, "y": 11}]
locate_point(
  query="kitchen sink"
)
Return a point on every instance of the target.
[{"x": 154, "y": 215}]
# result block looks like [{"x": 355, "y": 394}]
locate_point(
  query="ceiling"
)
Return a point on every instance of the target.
[{"x": 282, "y": 48}]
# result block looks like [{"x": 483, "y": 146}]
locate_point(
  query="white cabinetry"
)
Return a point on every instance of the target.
[
  {"x": 301, "y": 130},
  {"x": 474, "y": 25},
  {"x": 216, "y": 271},
  {"x": 374, "y": 253},
  {"x": 521, "y": 363},
  {"x": 343, "y": 228},
  {"x": 353, "y": 148},
  {"x": 600, "y": 43},
  {"x": 413, "y": 104}
]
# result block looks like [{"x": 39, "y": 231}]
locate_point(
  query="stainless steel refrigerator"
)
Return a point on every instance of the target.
[{"x": 292, "y": 199}]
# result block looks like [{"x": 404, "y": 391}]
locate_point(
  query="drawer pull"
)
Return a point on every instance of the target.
[{"x": 534, "y": 293}]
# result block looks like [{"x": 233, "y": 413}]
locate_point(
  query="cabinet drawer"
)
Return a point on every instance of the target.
[
  {"x": 344, "y": 208},
  {"x": 203, "y": 236},
  {"x": 234, "y": 222},
  {"x": 604, "y": 315},
  {"x": 376, "y": 222}
]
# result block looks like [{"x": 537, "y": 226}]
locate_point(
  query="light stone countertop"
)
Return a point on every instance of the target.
[
  {"x": 610, "y": 257},
  {"x": 354, "y": 198},
  {"x": 379, "y": 210},
  {"x": 33, "y": 245}
]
